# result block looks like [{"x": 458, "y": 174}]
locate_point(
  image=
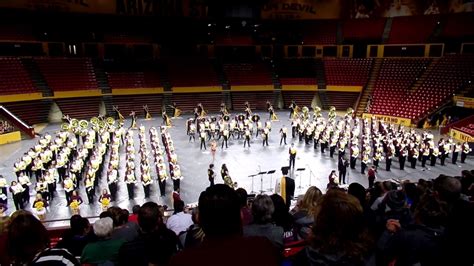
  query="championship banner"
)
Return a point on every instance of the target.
[
  {"x": 461, "y": 136},
  {"x": 302, "y": 9},
  {"x": 165, "y": 8},
  {"x": 465, "y": 102},
  {"x": 390, "y": 119}
]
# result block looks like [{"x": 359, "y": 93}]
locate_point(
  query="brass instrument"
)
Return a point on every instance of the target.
[
  {"x": 101, "y": 124},
  {"x": 74, "y": 122},
  {"x": 226, "y": 117},
  {"x": 65, "y": 126},
  {"x": 94, "y": 120},
  {"x": 110, "y": 121},
  {"x": 255, "y": 118},
  {"x": 83, "y": 124}
]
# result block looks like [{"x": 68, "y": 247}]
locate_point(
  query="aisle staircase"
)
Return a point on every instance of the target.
[
  {"x": 101, "y": 77},
  {"x": 369, "y": 88},
  {"x": 35, "y": 74}
]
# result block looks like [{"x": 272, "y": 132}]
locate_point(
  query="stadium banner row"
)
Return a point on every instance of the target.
[
  {"x": 461, "y": 136},
  {"x": 465, "y": 102},
  {"x": 273, "y": 9},
  {"x": 10, "y": 137},
  {"x": 335, "y": 9},
  {"x": 390, "y": 119}
]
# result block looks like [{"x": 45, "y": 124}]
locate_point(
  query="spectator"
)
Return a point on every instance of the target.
[
  {"x": 339, "y": 233},
  {"x": 78, "y": 236},
  {"x": 262, "y": 211},
  {"x": 244, "y": 207},
  {"x": 28, "y": 243},
  {"x": 219, "y": 217},
  {"x": 394, "y": 207},
  {"x": 179, "y": 221},
  {"x": 105, "y": 250},
  {"x": 282, "y": 217},
  {"x": 304, "y": 217},
  {"x": 155, "y": 244},
  {"x": 412, "y": 193},
  {"x": 134, "y": 217},
  {"x": 194, "y": 235},
  {"x": 419, "y": 243},
  {"x": 123, "y": 229},
  {"x": 386, "y": 187}
]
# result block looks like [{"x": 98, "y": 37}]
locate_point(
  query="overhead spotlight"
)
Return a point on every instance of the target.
[
  {"x": 208, "y": 33},
  {"x": 302, "y": 42},
  {"x": 256, "y": 25},
  {"x": 469, "y": 82},
  {"x": 437, "y": 22},
  {"x": 209, "y": 24},
  {"x": 254, "y": 30},
  {"x": 244, "y": 23},
  {"x": 227, "y": 27}
]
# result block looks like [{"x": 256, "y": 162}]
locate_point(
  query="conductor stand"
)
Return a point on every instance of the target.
[
  {"x": 253, "y": 191},
  {"x": 299, "y": 170},
  {"x": 310, "y": 175},
  {"x": 271, "y": 179}
]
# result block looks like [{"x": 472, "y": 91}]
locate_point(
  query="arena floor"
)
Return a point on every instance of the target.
[{"x": 241, "y": 164}]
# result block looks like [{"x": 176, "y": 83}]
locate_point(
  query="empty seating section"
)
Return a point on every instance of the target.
[
  {"x": 14, "y": 78},
  {"x": 257, "y": 100},
  {"x": 319, "y": 32},
  {"x": 131, "y": 80},
  {"x": 16, "y": 33},
  {"x": 459, "y": 25},
  {"x": 234, "y": 39},
  {"x": 188, "y": 72},
  {"x": 79, "y": 108},
  {"x": 395, "y": 80},
  {"x": 342, "y": 100},
  {"x": 129, "y": 103},
  {"x": 248, "y": 74},
  {"x": 347, "y": 72},
  {"x": 297, "y": 72},
  {"x": 127, "y": 37},
  {"x": 363, "y": 29},
  {"x": 66, "y": 74},
  {"x": 443, "y": 79},
  {"x": 187, "y": 101},
  {"x": 415, "y": 29},
  {"x": 301, "y": 98},
  {"x": 31, "y": 112}
]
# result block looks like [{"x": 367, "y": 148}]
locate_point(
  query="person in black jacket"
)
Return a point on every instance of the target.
[{"x": 342, "y": 167}]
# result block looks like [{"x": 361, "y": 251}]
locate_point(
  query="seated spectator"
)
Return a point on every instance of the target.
[
  {"x": 419, "y": 243},
  {"x": 219, "y": 217},
  {"x": 105, "y": 250},
  {"x": 412, "y": 193},
  {"x": 134, "y": 217},
  {"x": 179, "y": 221},
  {"x": 154, "y": 245},
  {"x": 78, "y": 236},
  {"x": 28, "y": 243},
  {"x": 194, "y": 235},
  {"x": 282, "y": 217},
  {"x": 393, "y": 206},
  {"x": 244, "y": 207},
  {"x": 386, "y": 186},
  {"x": 339, "y": 233},
  {"x": 262, "y": 211},
  {"x": 122, "y": 228},
  {"x": 303, "y": 218}
]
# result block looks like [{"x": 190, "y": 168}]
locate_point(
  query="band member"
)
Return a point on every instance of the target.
[
  {"x": 226, "y": 177},
  {"x": 39, "y": 206},
  {"x": 17, "y": 193},
  {"x": 364, "y": 162},
  {"x": 371, "y": 176},
  {"x": 292, "y": 151},
  {"x": 223, "y": 110},
  {"x": 147, "y": 112},
  {"x": 192, "y": 131},
  {"x": 247, "y": 138},
  {"x": 456, "y": 150},
  {"x": 112, "y": 183},
  {"x": 425, "y": 155},
  {"x": 225, "y": 135},
  {"x": 332, "y": 146},
  {"x": 265, "y": 136},
  {"x": 285, "y": 186},
  {"x": 134, "y": 120},
  {"x": 465, "y": 151},
  {"x": 166, "y": 119},
  {"x": 119, "y": 115},
  {"x": 342, "y": 167},
  {"x": 130, "y": 181},
  {"x": 90, "y": 190},
  {"x": 414, "y": 159},
  {"x": 283, "y": 132},
  {"x": 104, "y": 199},
  {"x": 42, "y": 188},
  {"x": 271, "y": 111},
  {"x": 402, "y": 158},
  {"x": 388, "y": 158},
  {"x": 213, "y": 149},
  {"x": 146, "y": 182},
  {"x": 176, "y": 110},
  {"x": 162, "y": 176},
  {"x": 211, "y": 174},
  {"x": 248, "y": 111},
  {"x": 68, "y": 185},
  {"x": 434, "y": 156},
  {"x": 203, "y": 136},
  {"x": 176, "y": 176},
  {"x": 292, "y": 109},
  {"x": 354, "y": 155},
  {"x": 294, "y": 125},
  {"x": 377, "y": 158},
  {"x": 201, "y": 111}
]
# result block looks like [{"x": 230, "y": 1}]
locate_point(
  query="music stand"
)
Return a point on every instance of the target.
[
  {"x": 271, "y": 172},
  {"x": 261, "y": 181},
  {"x": 299, "y": 170},
  {"x": 252, "y": 192}
]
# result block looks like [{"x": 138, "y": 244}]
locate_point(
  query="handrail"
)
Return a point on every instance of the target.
[{"x": 18, "y": 122}]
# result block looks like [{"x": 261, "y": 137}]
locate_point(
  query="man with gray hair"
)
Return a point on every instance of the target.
[
  {"x": 105, "y": 250},
  {"x": 262, "y": 210}
]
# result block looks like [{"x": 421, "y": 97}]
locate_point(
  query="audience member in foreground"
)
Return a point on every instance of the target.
[
  {"x": 76, "y": 238},
  {"x": 262, "y": 210},
  {"x": 219, "y": 217},
  {"x": 155, "y": 244},
  {"x": 105, "y": 250},
  {"x": 339, "y": 235},
  {"x": 28, "y": 243}
]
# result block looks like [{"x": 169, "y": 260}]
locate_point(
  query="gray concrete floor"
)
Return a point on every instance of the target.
[{"x": 241, "y": 163}]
